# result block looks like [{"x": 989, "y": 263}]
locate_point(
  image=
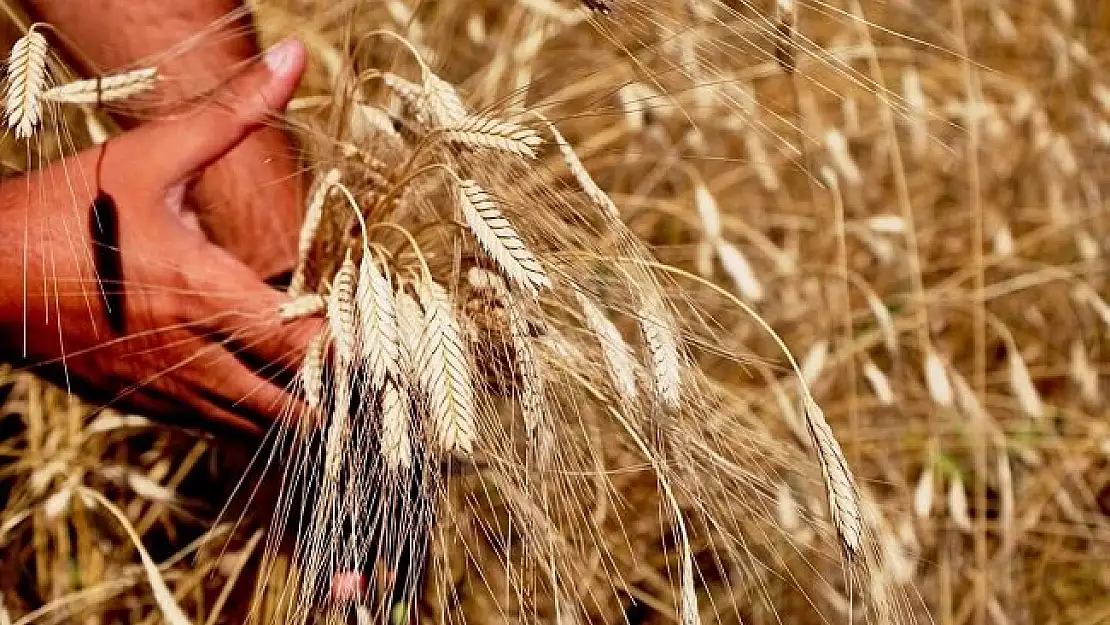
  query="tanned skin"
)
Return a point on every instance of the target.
[{"x": 188, "y": 329}]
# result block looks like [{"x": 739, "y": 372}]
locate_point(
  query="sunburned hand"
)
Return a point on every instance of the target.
[{"x": 119, "y": 296}]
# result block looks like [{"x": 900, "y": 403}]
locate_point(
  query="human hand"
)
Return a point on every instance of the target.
[{"x": 162, "y": 321}]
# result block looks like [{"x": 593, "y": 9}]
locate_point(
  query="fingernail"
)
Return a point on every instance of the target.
[{"x": 280, "y": 58}]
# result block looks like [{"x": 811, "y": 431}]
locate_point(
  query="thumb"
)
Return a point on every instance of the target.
[{"x": 204, "y": 135}]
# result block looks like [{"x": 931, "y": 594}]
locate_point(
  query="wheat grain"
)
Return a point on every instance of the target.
[
  {"x": 840, "y": 486},
  {"x": 104, "y": 89},
  {"x": 665, "y": 363},
  {"x": 786, "y": 509},
  {"x": 957, "y": 504},
  {"x": 396, "y": 444},
  {"x": 923, "y": 494},
  {"x": 26, "y": 81},
  {"x": 837, "y": 147},
  {"x": 313, "y": 216},
  {"x": 738, "y": 268},
  {"x": 378, "y": 339},
  {"x": 411, "y": 95},
  {"x": 880, "y": 385},
  {"x": 444, "y": 372},
  {"x": 936, "y": 379},
  {"x": 581, "y": 174},
  {"x": 1083, "y": 374},
  {"x": 887, "y": 224},
  {"x": 341, "y": 310},
  {"x": 482, "y": 132},
  {"x": 914, "y": 96},
  {"x": 618, "y": 356},
  {"x": 708, "y": 211},
  {"x": 814, "y": 361},
  {"x": 1022, "y": 384},
  {"x": 499, "y": 239}
]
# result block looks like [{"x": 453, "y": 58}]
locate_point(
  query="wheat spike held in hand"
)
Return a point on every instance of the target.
[{"x": 26, "y": 82}]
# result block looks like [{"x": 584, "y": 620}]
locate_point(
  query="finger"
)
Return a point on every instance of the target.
[
  {"x": 228, "y": 384},
  {"x": 244, "y": 310},
  {"x": 197, "y": 139}
]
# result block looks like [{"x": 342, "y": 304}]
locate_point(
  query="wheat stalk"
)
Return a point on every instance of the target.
[
  {"x": 499, "y": 239},
  {"x": 482, "y": 132},
  {"x": 105, "y": 89},
  {"x": 618, "y": 355},
  {"x": 380, "y": 348},
  {"x": 665, "y": 363},
  {"x": 444, "y": 372},
  {"x": 840, "y": 486},
  {"x": 26, "y": 81}
]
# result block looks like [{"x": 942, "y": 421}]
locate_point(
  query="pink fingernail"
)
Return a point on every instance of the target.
[{"x": 281, "y": 57}]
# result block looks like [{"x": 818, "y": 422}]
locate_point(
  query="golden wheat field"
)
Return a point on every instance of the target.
[{"x": 625, "y": 311}]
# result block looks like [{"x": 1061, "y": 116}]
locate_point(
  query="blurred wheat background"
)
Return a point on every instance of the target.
[{"x": 910, "y": 193}]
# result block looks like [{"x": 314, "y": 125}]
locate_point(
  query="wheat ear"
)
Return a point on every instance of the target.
[
  {"x": 105, "y": 89},
  {"x": 313, "y": 216},
  {"x": 377, "y": 323},
  {"x": 410, "y": 329},
  {"x": 444, "y": 372},
  {"x": 499, "y": 239},
  {"x": 312, "y": 369},
  {"x": 442, "y": 103},
  {"x": 26, "y": 81},
  {"x": 581, "y": 174},
  {"x": 843, "y": 497},
  {"x": 659, "y": 338},
  {"x": 396, "y": 444},
  {"x": 496, "y": 134},
  {"x": 532, "y": 399},
  {"x": 619, "y": 358},
  {"x": 342, "y": 310},
  {"x": 410, "y": 94}
]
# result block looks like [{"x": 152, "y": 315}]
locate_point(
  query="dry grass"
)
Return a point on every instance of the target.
[{"x": 910, "y": 196}]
